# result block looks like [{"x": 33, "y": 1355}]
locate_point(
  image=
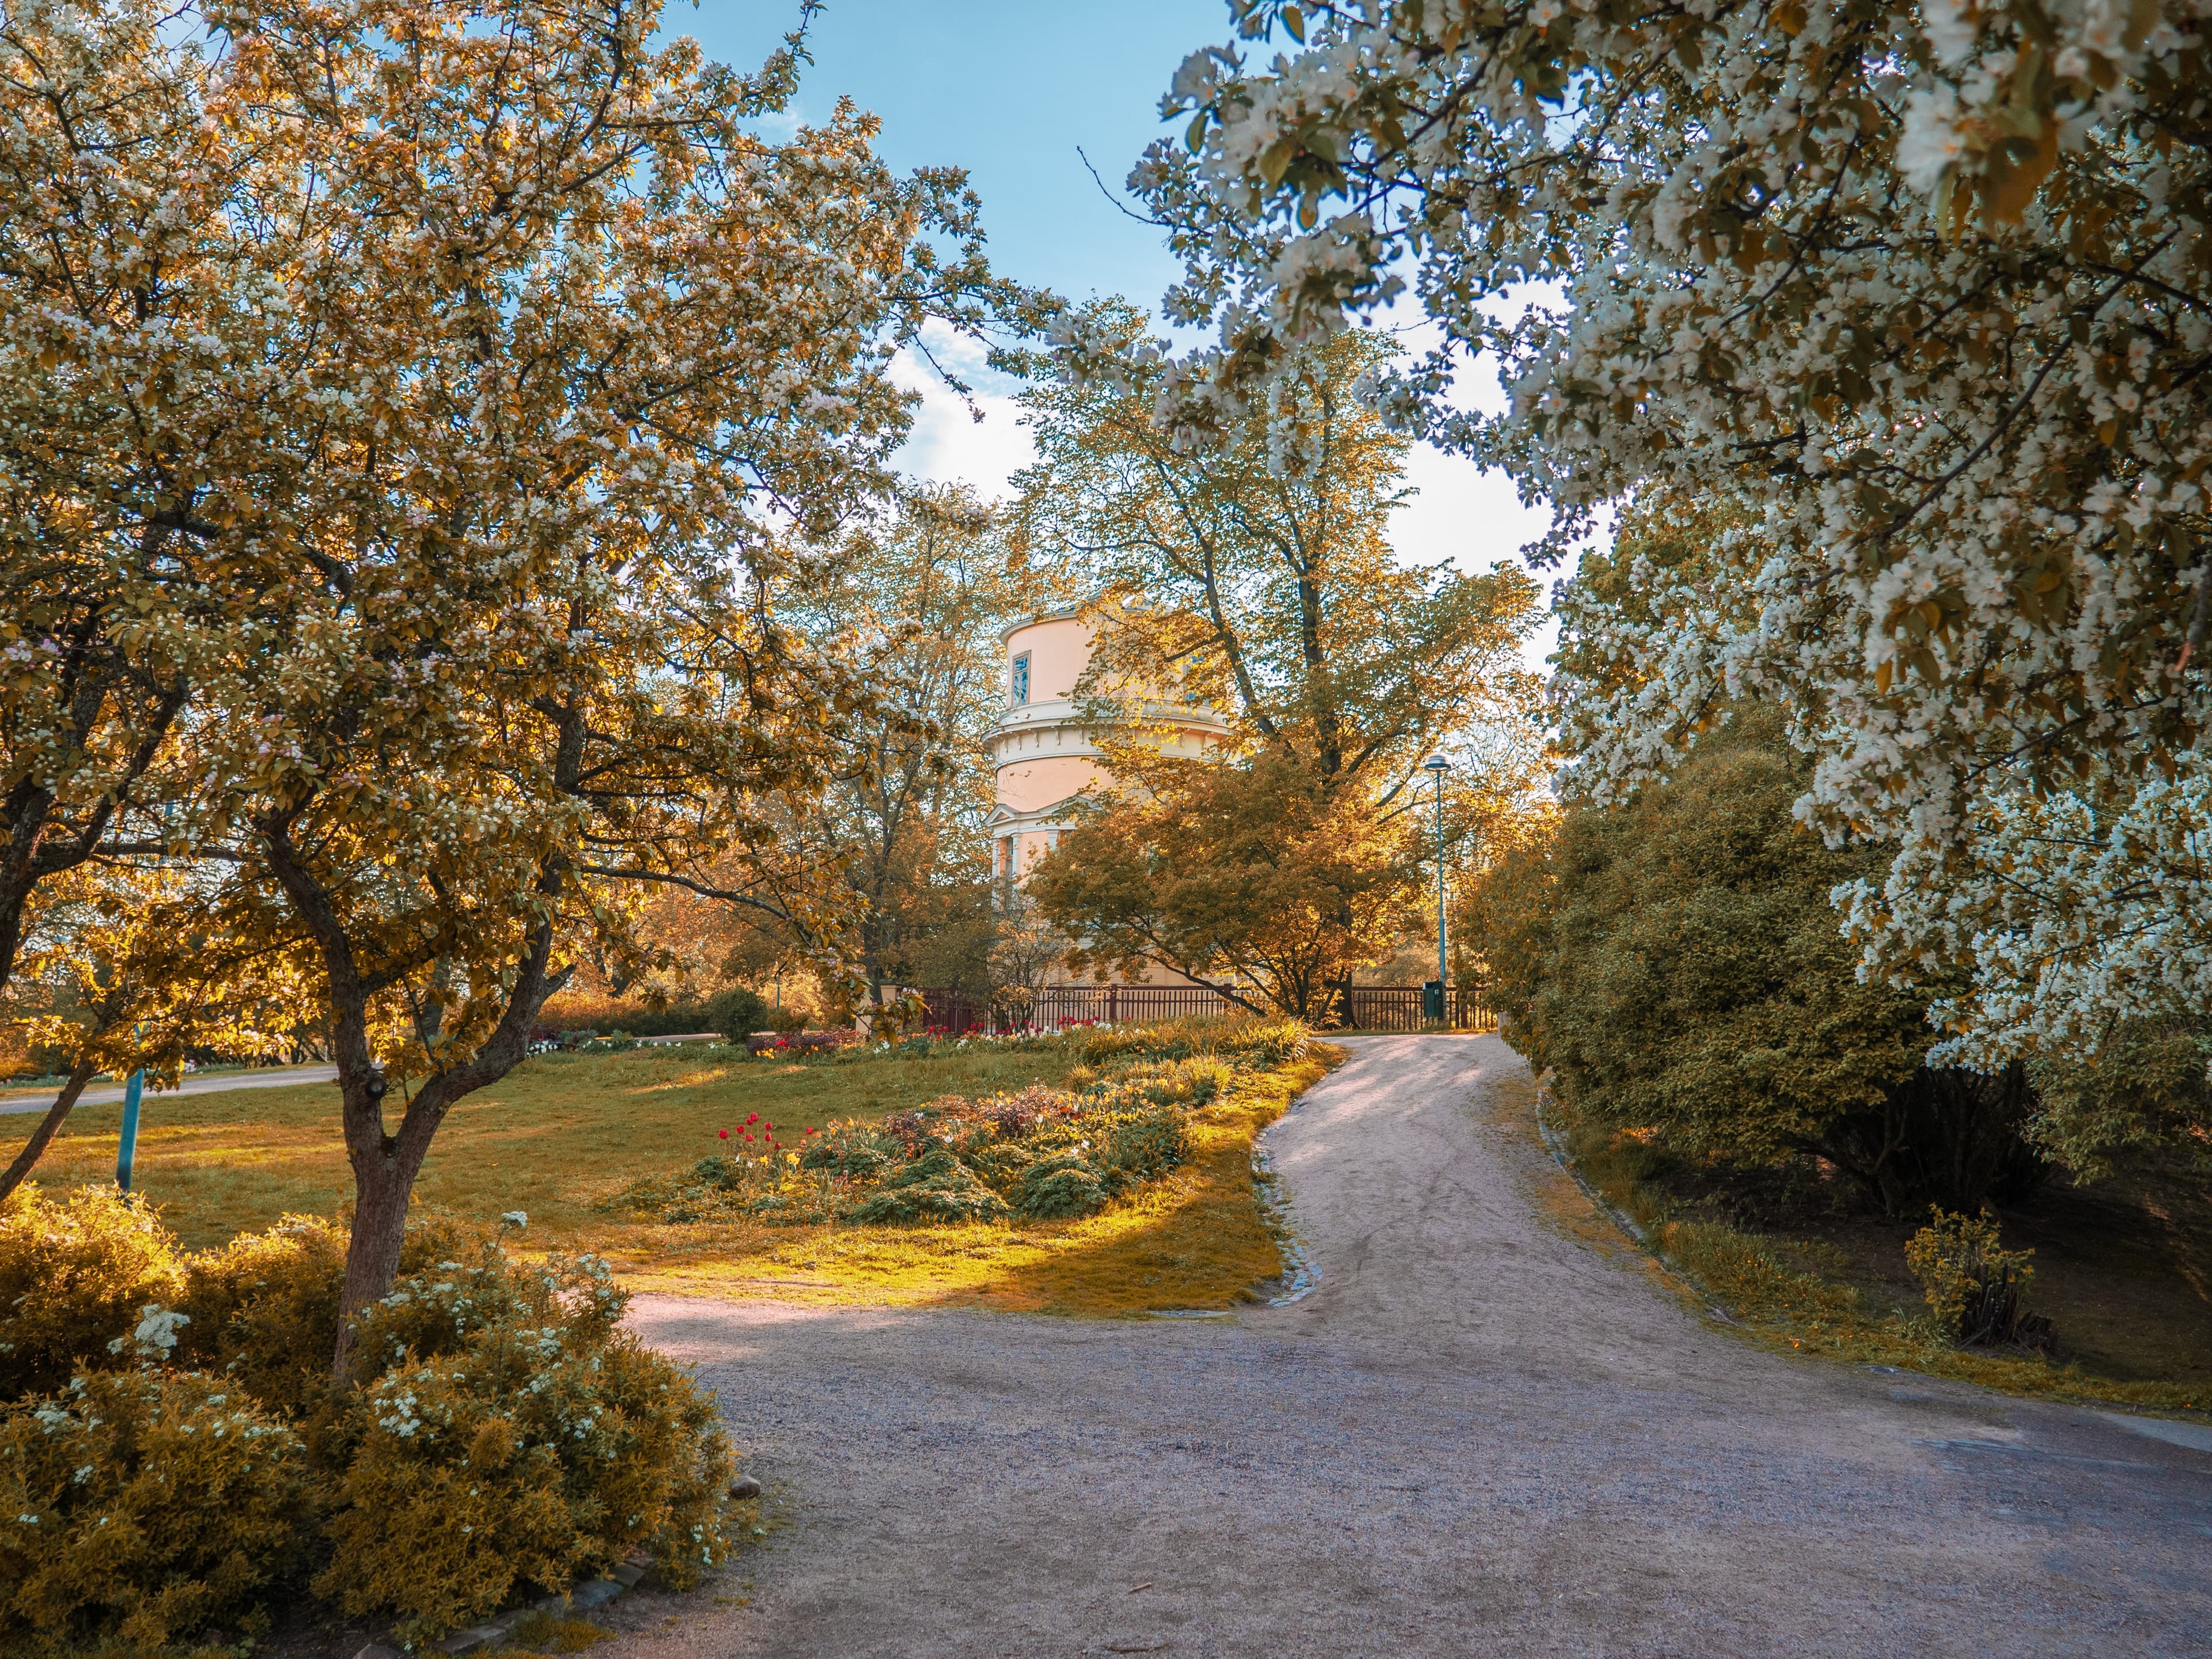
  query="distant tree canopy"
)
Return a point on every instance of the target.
[
  {"x": 1263, "y": 584},
  {"x": 1677, "y": 962}
]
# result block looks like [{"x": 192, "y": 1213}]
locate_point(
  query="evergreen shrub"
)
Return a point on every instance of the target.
[
  {"x": 518, "y": 1436},
  {"x": 502, "y": 1429},
  {"x": 77, "y": 1271},
  {"x": 142, "y": 1507},
  {"x": 264, "y": 1312}
]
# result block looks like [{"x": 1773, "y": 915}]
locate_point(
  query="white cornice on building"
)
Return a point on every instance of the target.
[{"x": 1057, "y": 729}]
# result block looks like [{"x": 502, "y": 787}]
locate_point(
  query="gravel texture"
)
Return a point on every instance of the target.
[{"x": 1485, "y": 1432}]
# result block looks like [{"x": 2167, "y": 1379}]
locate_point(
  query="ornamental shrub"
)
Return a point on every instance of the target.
[
  {"x": 1061, "y": 1187},
  {"x": 139, "y": 1507},
  {"x": 1975, "y": 1288},
  {"x": 737, "y": 1013},
  {"x": 520, "y": 1437},
  {"x": 264, "y": 1312},
  {"x": 76, "y": 1272},
  {"x": 935, "y": 1187}
]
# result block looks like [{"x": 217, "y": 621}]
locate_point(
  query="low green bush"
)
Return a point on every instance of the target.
[
  {"x": 523, "y": 1437},
  {"x": 264, "y": 1312},
  {"x": 76, "y": 1270},
  {"x": 737, "y": 1013},
  {"x": 1064, "y": 1185},
  {"x": 1977, "y": 1289},
  {"x": 504, "y": 1430},
  {"x": 142, "y": 1507}
]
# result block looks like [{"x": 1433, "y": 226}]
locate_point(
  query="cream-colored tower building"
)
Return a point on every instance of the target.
[{"x": 1041, "y": 750}]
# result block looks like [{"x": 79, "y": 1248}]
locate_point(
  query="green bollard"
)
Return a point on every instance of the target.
[{"x": 128, "y": 1151}]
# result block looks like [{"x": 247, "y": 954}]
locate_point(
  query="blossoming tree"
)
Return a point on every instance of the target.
[
  {"x": 550, "y": 355},
  {"x": 1911, "y": 299}
]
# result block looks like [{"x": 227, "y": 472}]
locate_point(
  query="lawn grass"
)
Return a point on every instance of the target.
[
  {"x": 563, "y": 1132},
  {"x": 1196, "y": 1239},
  {"x": 549, "y": 1139},
  {"x": 2130, "y": 1302}
]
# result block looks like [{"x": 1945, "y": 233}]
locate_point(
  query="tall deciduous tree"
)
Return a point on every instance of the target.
[
  {"x": 555, "y": 352},
  {"x": 918, "y": 604},
  {"x": 1249, "y": 568},
  {"x": 1917, "y": 294}
]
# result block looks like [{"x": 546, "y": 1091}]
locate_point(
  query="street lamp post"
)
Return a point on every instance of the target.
[{"x": 1435, "y": 766}]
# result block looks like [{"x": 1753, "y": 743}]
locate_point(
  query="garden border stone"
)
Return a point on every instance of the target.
[{"x": 584, "y": 1596}]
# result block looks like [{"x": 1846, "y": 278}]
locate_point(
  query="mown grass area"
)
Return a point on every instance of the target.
[
  {"x": 2124, "y": 1274},
  {"x": 547, "y": 1138},
  {"x": 563, "y": 1133},
  {"x": 1195, "y": 1239}
]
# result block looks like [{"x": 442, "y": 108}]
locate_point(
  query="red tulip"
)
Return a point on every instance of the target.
[{"x": 725, "y": 1134}]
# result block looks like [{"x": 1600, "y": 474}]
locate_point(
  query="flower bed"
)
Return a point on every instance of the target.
[
  {"x": 799, "y": 1042},
  {"x": 1039, "y": 1154}
]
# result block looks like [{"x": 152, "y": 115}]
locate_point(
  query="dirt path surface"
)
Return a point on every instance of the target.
[{"x": 1485, "y": 1432}]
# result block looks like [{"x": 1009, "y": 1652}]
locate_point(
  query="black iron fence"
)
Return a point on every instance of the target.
[
  {"x": 1055, "y": 1007},
  {"x": 1401, "y": 1008}
]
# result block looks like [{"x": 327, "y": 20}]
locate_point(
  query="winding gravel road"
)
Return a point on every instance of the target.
[{"x": 1488, "y": 1431}]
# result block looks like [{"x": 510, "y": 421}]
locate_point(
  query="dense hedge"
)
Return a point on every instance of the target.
[
  {"x": 736, "y": 1013},
  {"x": 1677, "y": 962}
]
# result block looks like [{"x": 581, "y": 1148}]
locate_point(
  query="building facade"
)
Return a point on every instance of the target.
[{"x": 1041, "y": 753}]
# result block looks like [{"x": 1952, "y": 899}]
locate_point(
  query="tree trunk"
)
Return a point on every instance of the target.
[
  {"x": 382, "y": 1183},
  {"x": 48, "y": 1126}
]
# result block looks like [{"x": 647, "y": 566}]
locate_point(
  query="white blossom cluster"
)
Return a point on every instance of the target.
[{"x": 1902, "y": 313}]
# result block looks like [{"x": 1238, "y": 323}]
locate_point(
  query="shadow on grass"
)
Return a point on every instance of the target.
[{"x": 2121, "y": 1271}]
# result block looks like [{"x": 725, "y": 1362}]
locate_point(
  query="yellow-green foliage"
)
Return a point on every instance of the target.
[
  {"x": 144, "y": 1506},
  {"x": 264, "y": 1312},
  {"x": 1974, "y": 1286},
  {"x": 506, "y": 1430},
  {"x": 76, "y": 1270},
  {"x": 519, "y": 1438}
]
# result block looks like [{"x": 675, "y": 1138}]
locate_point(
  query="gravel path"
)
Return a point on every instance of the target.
[{"x": 1486, "y": 1432}]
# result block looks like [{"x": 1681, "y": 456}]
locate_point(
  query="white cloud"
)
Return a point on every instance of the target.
[{"x": 948, "y": 444}]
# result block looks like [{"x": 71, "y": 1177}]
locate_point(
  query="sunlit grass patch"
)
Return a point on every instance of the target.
[
  {"x": 1196, "y": 1238},
  {"x": 563, "y": 1133}
]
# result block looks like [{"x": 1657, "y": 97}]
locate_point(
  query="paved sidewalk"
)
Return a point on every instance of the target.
[{"x": 277, "y": 1077}]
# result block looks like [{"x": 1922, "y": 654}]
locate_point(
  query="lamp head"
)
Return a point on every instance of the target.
[{"x": 1436, "y": 763}]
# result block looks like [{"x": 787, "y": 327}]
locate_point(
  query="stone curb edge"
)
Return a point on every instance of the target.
[{"x": 589, "y": 1592}]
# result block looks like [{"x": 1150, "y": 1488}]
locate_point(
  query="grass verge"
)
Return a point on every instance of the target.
[{"x": 1815, "y": 1291}]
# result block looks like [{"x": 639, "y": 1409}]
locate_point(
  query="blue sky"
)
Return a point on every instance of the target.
[
  {"x": 1008, "y": 89},
  {"x": 1011, "y": 90}
]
